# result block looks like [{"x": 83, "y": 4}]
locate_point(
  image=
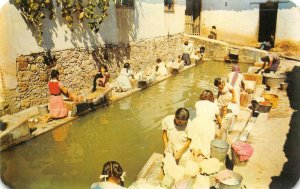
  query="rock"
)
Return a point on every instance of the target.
[
  {"x": 22, "y": 63},
  {"x": 34, "y": 67}
]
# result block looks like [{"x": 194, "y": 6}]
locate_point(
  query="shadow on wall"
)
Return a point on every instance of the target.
[
  {"x": 121, "y": 25},
  {"x": 290, "y": 173}
]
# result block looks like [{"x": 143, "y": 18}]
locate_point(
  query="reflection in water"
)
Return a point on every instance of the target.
[{"x": 127, "y": 131}]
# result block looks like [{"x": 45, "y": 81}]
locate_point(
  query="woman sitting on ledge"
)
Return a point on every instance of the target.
[
  {"x": 101, "y": 78},
  {"x": 123, "y": 81},
  {"x": 56, "y": 104}
]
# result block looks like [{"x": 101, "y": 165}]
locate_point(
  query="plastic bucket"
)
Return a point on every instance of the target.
[
  {"x": 232, "y": 183},
  {"x": 218, "y": 149}
]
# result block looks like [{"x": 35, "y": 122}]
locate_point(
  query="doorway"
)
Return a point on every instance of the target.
[
  {"x": 267, "y": 20},
  {"x": 192, "y": 16}
]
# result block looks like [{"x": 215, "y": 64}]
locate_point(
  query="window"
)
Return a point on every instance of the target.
[{"x": 125, "y": 3}]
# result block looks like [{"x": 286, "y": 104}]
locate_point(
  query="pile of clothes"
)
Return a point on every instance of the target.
[{"x": 243, "y": 150}]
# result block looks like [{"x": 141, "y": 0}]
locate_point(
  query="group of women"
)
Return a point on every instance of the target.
[{"x": 185, "y": 139}]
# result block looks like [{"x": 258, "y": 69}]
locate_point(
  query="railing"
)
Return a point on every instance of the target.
[{"x": 192, "y": 29}]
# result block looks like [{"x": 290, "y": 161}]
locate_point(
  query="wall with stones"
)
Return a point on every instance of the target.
[{"x": 78, "y": 66}]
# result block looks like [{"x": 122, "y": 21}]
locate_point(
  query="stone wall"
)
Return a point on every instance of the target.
[
  {"x": 78, "y": 66},
  {"x": 214, "y": 49}
]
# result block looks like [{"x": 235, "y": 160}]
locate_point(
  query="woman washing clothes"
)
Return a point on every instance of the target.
[
  {"x": 123, "y": 81},
  {"x": 56, "y": 103},
  {"x": 112, "y": 177},
  {"x": 177, "y": 135},
  {"x": 226, "y": 95},
  {"x": 205, "y": 124},
  {"x": 161, "y": 69},
  {"x": 236, "y": 79},
  {"x": 101, "y": 78},
  {"x": 187, "y": 50}
]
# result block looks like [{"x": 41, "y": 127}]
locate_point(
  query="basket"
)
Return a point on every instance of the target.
[{"x": 272, "y": 98}]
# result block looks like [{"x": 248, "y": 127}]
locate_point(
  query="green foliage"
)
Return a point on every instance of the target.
[
  {"x": 34, "y": 12},
  {"x": 93, "y": 11}
]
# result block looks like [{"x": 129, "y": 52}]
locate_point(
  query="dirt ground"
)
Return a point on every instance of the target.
[
  {"x": 275, "y": 139},
  {"x": 267, "y": 138},
  {"x": 287, "y": 48}
]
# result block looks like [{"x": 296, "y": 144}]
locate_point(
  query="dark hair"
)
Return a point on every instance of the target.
[
  {"x": 217, "y": 82},
  {"x": 186, "y": 42},
  {"x": 179, "y": 56},
  {"x": 214, "y": 27},
  {"x": 103, "y": 66},
  {"x": 54, "y": 74},
  {"x": 158, "y": 60},
  {"x": 182, "y": 114},
  {"x": 127, "y": 65},
  {"x": 113, "y": 169},
  {"x": 265, "y": 59},
  {"x": 3, "y": 125},
  {"x": 207, "y": 95}
]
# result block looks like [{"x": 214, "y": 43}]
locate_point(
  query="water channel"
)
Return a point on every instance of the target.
[{"x": 128, "y": 131}]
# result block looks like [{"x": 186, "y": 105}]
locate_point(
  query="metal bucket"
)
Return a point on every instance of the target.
[
  {"x": 273, "y": 80},
  {"x": 283, "y": 86},
  {"x": 43, "y": 109},
  {"x": 218, "y": 149},
  {"x": 232, "y": 183}
]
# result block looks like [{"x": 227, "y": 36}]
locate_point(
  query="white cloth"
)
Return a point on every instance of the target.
[
  {"x": 123, "y": 79},
  {"x": 225, "y": 96},
  {"x": 176, "y": 138},
  {"x": 106, "y": 185},
  {"x": 162, "y": 70},
  {"x": 237, "y": 88},
  {"x": 187, "y": 49}
]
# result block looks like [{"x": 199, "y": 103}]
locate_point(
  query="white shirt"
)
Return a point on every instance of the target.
[
  {"x": 176, "y": 138},
  {"x": 208, "y": 109}
]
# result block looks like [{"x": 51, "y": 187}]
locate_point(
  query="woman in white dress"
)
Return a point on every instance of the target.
[
  {"x": 123, "y": 81},
  {"x": 205, "y": 124},
  {"x": 161, "y": 69},
  {"x": 177, "y": 135}
]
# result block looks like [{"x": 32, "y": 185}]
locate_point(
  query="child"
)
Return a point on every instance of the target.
[
  {"x": 226, "y": 94},
  {"x": 112, "y": 177}
]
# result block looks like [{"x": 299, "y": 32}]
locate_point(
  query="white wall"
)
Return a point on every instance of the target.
[
  {"x": 148, "y": 21},
  {"x": 242, "y": 26},
  {"x": 236, "y": 26},
  {"x": 288, "y": 24}
]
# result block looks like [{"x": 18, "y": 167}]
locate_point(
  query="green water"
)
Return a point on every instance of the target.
[{"x": 128, "y": 131}]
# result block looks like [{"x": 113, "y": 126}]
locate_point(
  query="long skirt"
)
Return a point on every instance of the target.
[
  {"x": 57, "y": 107},
  {"x": 186, "y": 59}
]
